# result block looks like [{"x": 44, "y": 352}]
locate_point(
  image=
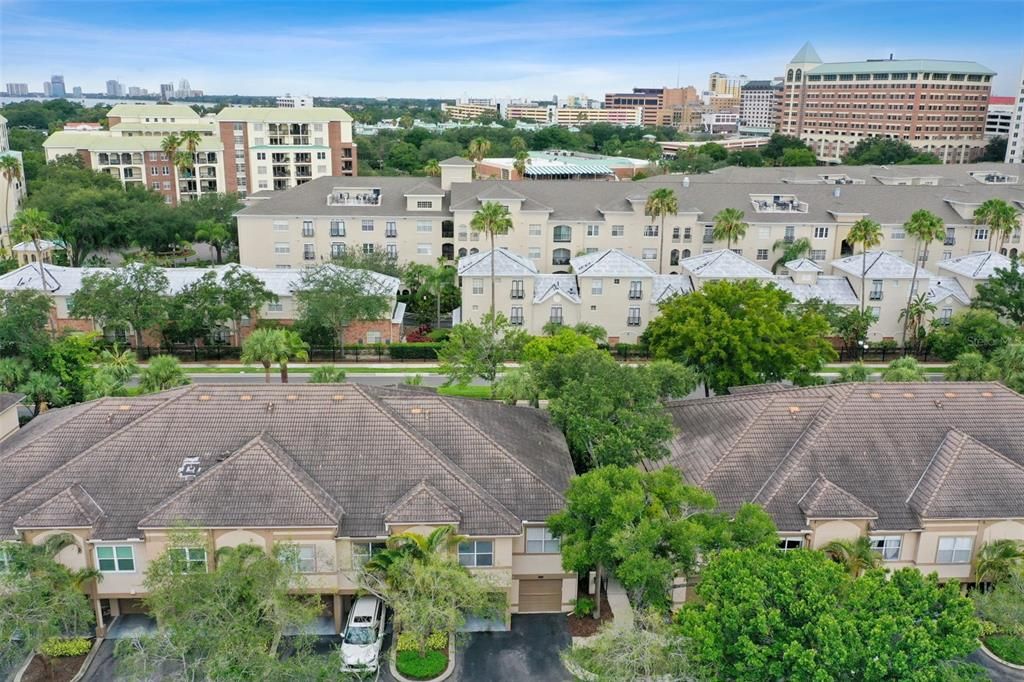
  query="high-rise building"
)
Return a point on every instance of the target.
[
  {"x": 759, "y": 107},
  {"x": 1015, "y": 140},
  {"x": 677, "y": 107},
  {"x": 999, "y": 116},
  {"x": 47, "y": 89},
  {"x": 936, "y": 106},
  {"x": 77, "y": 91},
  {"x": 722, "y": 84},
  {"x": 17, "y": 89},
  {"x": 184, "y": 90},
  {"x": 135, "y": 91},
  {"x": 115, "y": 89},
  {"x": 166, "y": 91},
  {"x": 57, "y": 86}
]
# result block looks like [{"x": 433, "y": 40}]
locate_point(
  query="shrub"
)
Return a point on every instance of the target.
[
  {"x": 419, "y": 335},
  {"x": 56, "y": 647},
  {"x": 1007, "y": 647},
  {"x": 440, "y": 335},
  {"x": 414, "y": 351},
  {"x": 438, "y": 641},
  {"x": 411, "y": 664},
  {"x": 327, "y": 374},
  {"x": 583, "y": 607}
]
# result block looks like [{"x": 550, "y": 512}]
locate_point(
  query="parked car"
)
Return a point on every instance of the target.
[{"x": 364, "y": 634}]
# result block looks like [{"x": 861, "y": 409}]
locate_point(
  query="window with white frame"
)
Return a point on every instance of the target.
[
  {"x": 275, "y": 307},
  {"x": 307, "y": 228},
  {"x": 535, "y": 230},
  {"x": 308, "y": 252},
  {"x": 478, "y": 286},
  {"x": 821, "y": 233},
  {"x": 364, "y": 551},
  {"x": 280, "y": 226},
  {"x": 282, "y": 248},
  {"x": 337, "y": 228},
  {"x": 305, "y": 558},
  {"x": 476, "y": 553},
  {"x": 190, "y": 559},
  {"x": 633, "y": 317},
  {"x": 687, "y": 233},
  {"x": 392, "y": 250},
  {"x": 115, "y": 558},
  {"x": 649, "y": 254},
  {"x": 391, "y": 228},
  {"x": 876, "y": 312},
  {"x": 367, "y": 224},
  {"x": 818, "y": 255},
  {"x": 373, "y": 338},
  {"x": 597, "y": 286},
  {"x": 367, "y": 248},
  {"x": 762, "y": 254},
  {"x": 533, "y": 252},
  {"x": 593, "y": 230},
  {"x": 789, "y": 544},
  {"x": 954, "y": 550},
  {"x": 618, "y": 230},
  {"x": 423, "y": 249},
  {"x": 898, "y": 234},
  {"x": 515, "y": 318},
  {"x": 764, "y": 233},
  {"x": 981, "y": 233},
  {"x": 337, "y": 249},
  {"x": 888, "y": 546},
  {"x": 556, "y": 315},
  {"x": 540, "y": 541},
  {"x": 650, "y": 230},
  {"x": 424, "y": 226}
]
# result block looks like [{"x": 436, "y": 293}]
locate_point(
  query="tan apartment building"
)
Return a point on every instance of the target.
[
  {"x": 333, "y": 470},
  {"x": 676, "y": 107},
  {"x": 935, "y": 106},
  {"x": 241, "y": 149},
  {"x": 561, "y": 164},
  {"x": 63, "y": 282},
  {"x": 931, "y": 472}
]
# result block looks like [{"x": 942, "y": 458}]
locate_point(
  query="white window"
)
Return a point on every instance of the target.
[
  {"x": 115, "y": 558},
  {"x": 167, "y": 184},
  {"x": 258, "y": 127},
  {"x": 367, "y": 224},
  {"x": 318, "y": 127},
  {"x": 282, "y": 247},
  {"x": 947, "y": 315},
  {"x": 478, "y": 286},
  {"x": 618, "y": 230},
  {"x": 597, "y": 287},
  {"x": 535, "y": 230},
  {"x": 593, "y": 230},
  {"x": 275, "y": 307},
  {"x": 540, "y": 541},
  {"x": 424, "y": 226},
  {"x": 954, "y": 550},
  {"x": 191, "y": 559},
  {"x": 789, "y": 544},
  {"x": 981, "y": 233},
  {"x": 818, "y": 255},
  {"x": 898, "y": 234},
  {"x": 321, "y": 156},
  {"x": 423, "y": 249},
  {"x": 262, "y": 184},
  {"x": 362, "y": 551},
  {"x": 888, "y": 546},
  {"x": 650, "y": 254},
  {"x": 337, "y": 228},
  {"x": 280, "y": 226},
  {"x": 367, "y": 248},
  {"x": 392, "y": 250},
  {"x": 821, "y": 233},
  {"x": 305, "y": 558},
  {"x": 261, "y": 156},
  {"x": 476, "y": 553},
  {"x": 533, "y": 252},
  {"x": 876, "y": 312},
  {"x": 307, "y": 228},
  {"x": 424, "y": 204},
  {"x": 762, "y": 254}
]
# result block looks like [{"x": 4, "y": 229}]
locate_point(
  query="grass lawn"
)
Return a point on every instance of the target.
[
  {"x": 466, "y": 391},
  {"x": 1007, "y": 647}
]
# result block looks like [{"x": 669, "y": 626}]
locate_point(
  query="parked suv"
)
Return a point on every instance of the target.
[{"x": 364, "y": 634}]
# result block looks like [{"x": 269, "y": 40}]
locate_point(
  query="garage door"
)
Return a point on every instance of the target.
[{"x": 540, "y": 596}]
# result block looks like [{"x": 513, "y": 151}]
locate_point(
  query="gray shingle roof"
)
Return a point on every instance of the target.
[
  {"x": 423, "y": 504},
  {"x": 9, "y": 400},
  {"x": 875, "y": 441},
  {"x": 836, "y": 290},
  {"x": 723, "y": 264},
  {"x": 456, "y": 161},
  {"x": 941, "y": 288},
  {"x": 73, "y": 507},
  {"x": 880, "y": 265},
  {"x": 976, "y": 265},
  {"x": 548, "y": 286},
  {"x": 506, "y": 263},
  {"x": 310, "y": 198},
  {"x": 803, "y": 265},
  {"x": 610, "y": 263},
  {"x": 825, "y": 500},
  {"x": 307, "y": 450}
]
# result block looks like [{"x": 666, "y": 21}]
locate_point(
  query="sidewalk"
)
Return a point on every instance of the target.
[{"x": 619, "y": 603}]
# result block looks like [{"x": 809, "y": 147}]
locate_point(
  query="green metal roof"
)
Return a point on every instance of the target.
[
  {"x": 806, "y": 55},
  {"x": 103, "y": 141},
  {"x": 903, "y": 66}
]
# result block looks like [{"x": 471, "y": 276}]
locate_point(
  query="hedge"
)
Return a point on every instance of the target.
[
  {"x": 55, "y": 647},
  {"x": 437, "y": 641},
  {"x": 413, "y": 351},
  {"x": 411, "y": 664}
]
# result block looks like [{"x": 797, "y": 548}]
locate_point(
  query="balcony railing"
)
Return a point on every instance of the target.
[
  {"x": 636, "y": 295},
  {"x": 353, "y": 198},
  {"x": 556, "y": 319},
  {"x": 517, "y": 294},
  {"x": 632, "y": 321},
  {"x": 875, "y": 296}
]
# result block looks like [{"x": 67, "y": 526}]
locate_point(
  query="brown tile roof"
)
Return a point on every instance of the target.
[
  {"x": 70, "y": 508},
  {"x": 825, "y": 500},
  {"x": 316, "y": 447},
  {"x": 423, "y": 504},
  {"x": 873, "y": 441}
]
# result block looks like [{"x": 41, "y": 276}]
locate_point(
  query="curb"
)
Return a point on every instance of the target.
[
  {"x": 1006, "y": 664},
  {"x": 16, "y": 677},
  {"x": 393, "y": 654},
  {"x": 88, "y": 659}
]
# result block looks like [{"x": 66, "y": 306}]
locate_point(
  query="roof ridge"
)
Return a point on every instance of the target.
[
  {"x": 424, "y": 487},
  {"x": 460, "y": 474},
  {"x": 764, "y": 406},
  {"x": 66, "y": 492},
  {"x": 951, "y": 433},
  {"x": 185, "y": 391},
  {"x": 824, "y": 481}
]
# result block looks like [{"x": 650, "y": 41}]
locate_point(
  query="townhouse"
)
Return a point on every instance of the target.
[
  {"x": 240, "y": 149},
  {"x": 334, "y": 470},
  {"x": 931, "y": 472},
  {"x": 63, "y": 282},
  {"x": 421, "y": 219}
]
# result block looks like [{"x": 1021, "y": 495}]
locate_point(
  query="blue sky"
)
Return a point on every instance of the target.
[{"x": 503, "y": 49}]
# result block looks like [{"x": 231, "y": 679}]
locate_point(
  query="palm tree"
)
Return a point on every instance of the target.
[
  {"x": 925, "y": 227},
  {"x": 659, "y": 204},
  {"x": 856, "y": 556},
  {"x": 1000, "y": 217},
  {"x": 914, "y": 314},
  {"x": 729, "y": 226},
  {"x": 997, "y": 561},
  {"x": 478, "y": 148},
  {"x": 518, "y": 144},
  {"x": 10, "y": 170},
  {"x": 214, "y": 233},
  {"x": 170, "y": 145},
  {"x": 269, "y": 346},
  {"x": 492, "y": 219},
  {"x": 867, "y": 233},
  {"x": 42, "y": 389},
  {"x": 162, "y": 373},
  {"x": 522, "y": 158},
  {"x": 121, "y": 363},
  {"x": 33, "y": 225},
  {"x": 435, "y": 281},
  {"x": 433, "y": 168},
  {"x": 327, "y": 374},
  {"x": 293, "y": 347},
  {"x": 791, "y": 250},
  {"x": 13, "y": 371},
  {"x": 415, "y": 546}
]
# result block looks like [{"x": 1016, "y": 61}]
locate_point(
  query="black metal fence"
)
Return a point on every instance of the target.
[{"x": 219, "y": 353}]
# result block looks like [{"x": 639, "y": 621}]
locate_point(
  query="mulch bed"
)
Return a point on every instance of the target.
[
  {"x": 63, "y": 669},
  {"x": 587, "y": 626}
]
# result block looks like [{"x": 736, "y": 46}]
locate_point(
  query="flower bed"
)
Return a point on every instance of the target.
[
  {"x": 1009, "y": 648},
  {"x": 409, "y": 663},
  {"x": 585, "y": 625}
]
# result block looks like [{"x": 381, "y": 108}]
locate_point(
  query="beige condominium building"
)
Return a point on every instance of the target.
[
  {"x": 63, "y": 282},
  {"x": 241, "y": 149},
  {"x": 333, "y": 470},
  {"x": 936, "y": 106},
  {"x": 931, "y": 472}
]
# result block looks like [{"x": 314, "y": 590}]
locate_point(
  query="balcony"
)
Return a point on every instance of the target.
[
  {"x": 636, "y": 295},
  {"x": 778, "y": 203},
  {"x": 709, "y": 239},
  {"x": 354, "y": 197},
  {"x": 517, "y": 294},
  {"x": 875, "y": 296}
]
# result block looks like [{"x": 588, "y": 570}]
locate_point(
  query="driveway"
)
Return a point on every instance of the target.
[
  {"x": 529, "y": 651},
  {"x": 996, "y": 672}
]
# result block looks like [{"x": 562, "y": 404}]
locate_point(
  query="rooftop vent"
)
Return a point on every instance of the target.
[
  {"x": 292, "y": 396},
  {"x": 793, "y": 409},
  {"x": 949, "y": 394},
  {"x": 986, "y": 394},
  {"x": 337, "y": 396},
  {"x": 204, "y": 397},
  {"x": 876, "y": 396},
  {"x": 245, "y": 397},
  {"x": 124, "y": 407},
  {"x": 189, "y": 468},
  {"x": 908, "y": 395}
]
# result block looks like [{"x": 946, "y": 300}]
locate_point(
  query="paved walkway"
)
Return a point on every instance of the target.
[{"x": 619, "y": 603}]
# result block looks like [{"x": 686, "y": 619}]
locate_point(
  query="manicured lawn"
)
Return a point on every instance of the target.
[
  {"x": 1007, "y": 647},
  {"x": 410, "y": 664},
  {"x": 466, "y": 391}
]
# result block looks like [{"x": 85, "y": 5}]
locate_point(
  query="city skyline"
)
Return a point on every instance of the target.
[{"x": 520, "y": 49}]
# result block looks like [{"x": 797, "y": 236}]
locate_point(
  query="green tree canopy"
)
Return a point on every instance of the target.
[
  {"x": 133, "y": 296},
  {"x": 480, "y": 350},
  {"x": 334, "y": 297},
  {"x": 23, "y": 318},
  {"x": 161, "y": 373},
  {"x": 739, "y": 333},
  {"x": 1004, "y": 293},
  {"x": 884, "y": 151},
  {"x": 903, "y": 370},
  {"x": 798, "y": 157},
  {"x": 971, "y": 330},
  {"x": 269, "y": 346}
]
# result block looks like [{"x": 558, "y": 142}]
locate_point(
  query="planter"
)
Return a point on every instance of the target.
[
  {"x": 393, "y": 668},
  {"x": 65, "y": 669},
  {"x": 1006, "y": 664}
]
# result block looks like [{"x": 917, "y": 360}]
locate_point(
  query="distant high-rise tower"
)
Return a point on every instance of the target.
[
  {"x": 115, "y": 89},
  {"x": 57, "y": 86},
  {"x": 47, "y": 89},
  {"x": 77, "y": 91},
  {"x": 17, "y": 88},
  {"x": 1015, "y": 141}
]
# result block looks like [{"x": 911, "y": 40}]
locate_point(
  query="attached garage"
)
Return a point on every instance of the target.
[{"x": 540, "y": 595}]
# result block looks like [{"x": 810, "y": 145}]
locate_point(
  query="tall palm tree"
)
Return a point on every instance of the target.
[
  {"x": 660, "y": 203},
  {"x": 214, "y": 233},
  {"x": 163, "y": 372},
  {"x": 867, "y": 233},
  {"x": 997, "y": 561},
  {"x": 432, "y": 169},
  {"x": 1000, "y": 216},
  {"x": 33, "y": 225},
  {"x": 913, "y": 315},
  {"x": 520, "y": 164},
  {"x": 170, "y": 145},
  {"x": 435, "y": 281},
  {"x": 856, "y": 555},
  {"x": 478, "y": 148},
  {"x": 293, "y": 347},
  {"x": 925, "y": 227},
  {"x": 791, "y": 250},
  {"x": 518, "y": 144},
  {"x": 492, "y": 219},
  {"x": 42, "y": 389},
  {"x": 729, "y": 226},
  {"x": 10, "y": 170},
  {"x": 270, "y": 346}
]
